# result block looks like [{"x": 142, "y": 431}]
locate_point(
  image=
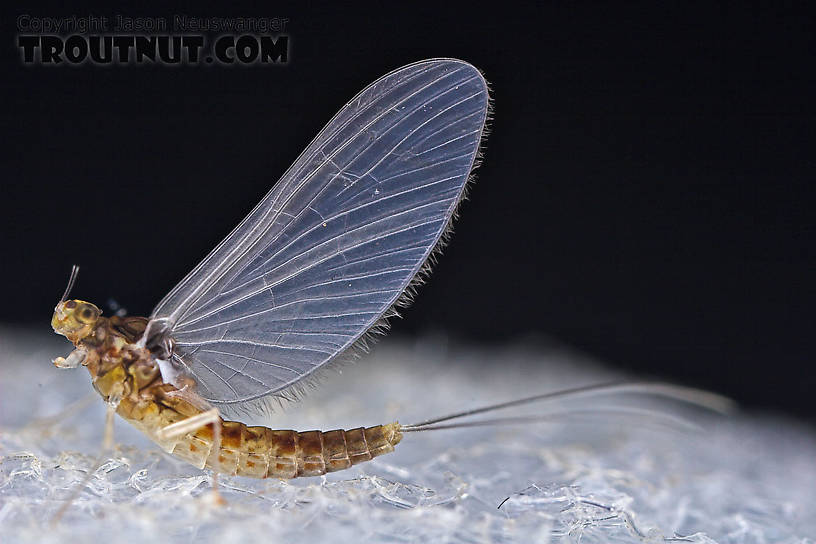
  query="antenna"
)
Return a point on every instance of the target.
[{"x": 71, "y": 281}]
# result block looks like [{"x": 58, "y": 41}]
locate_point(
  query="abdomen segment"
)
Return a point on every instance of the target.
[{"x": 260, "y": 452}]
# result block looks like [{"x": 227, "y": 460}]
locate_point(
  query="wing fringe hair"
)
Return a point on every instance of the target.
[{"x": 278, "y": 401}]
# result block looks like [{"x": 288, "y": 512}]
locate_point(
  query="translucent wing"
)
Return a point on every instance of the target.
[{"x": 336, "y": 241}]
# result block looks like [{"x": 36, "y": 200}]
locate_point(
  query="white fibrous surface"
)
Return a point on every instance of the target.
[{"x": 743, "y": 478}]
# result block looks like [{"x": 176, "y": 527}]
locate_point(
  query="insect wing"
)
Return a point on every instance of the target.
[{"x": 336, "y": 241}]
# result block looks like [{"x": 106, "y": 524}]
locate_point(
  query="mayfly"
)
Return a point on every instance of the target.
[{"x": 327, "y": 254}]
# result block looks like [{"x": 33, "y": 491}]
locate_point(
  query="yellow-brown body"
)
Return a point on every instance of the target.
[{"x": 127, "y": 375}]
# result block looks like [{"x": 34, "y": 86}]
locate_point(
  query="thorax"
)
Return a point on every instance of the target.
[{"x": 119, "y": 367}]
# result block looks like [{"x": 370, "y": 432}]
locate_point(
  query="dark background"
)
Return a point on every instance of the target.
[{"x": 646, "y": 196}]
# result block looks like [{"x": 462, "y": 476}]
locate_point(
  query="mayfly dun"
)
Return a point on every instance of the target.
[{"x": 320, "y": 262}]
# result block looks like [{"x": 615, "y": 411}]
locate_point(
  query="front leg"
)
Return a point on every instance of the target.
[
  {"x": 107, "y": 446},
  {"x": 75, "y": 359}
]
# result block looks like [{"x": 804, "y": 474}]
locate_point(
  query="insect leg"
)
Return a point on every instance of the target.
[
  {"x": 192, "y": 424},
  {"x": 49, "y": 425},
  {"x": 76, "y": 358},
  {"x": 189, "y": 425},
  {"x": 107, "y": 445}
]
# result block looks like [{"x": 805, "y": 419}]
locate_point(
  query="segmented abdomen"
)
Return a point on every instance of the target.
[{"x": 259, "y": 452}]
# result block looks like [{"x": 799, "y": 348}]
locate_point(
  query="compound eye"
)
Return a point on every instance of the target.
[
  {"x": 86, "y": 313},
  {"x": 70, "y": 305}
]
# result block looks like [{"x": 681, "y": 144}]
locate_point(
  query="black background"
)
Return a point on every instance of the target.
[{"x": 646, "y": 196}]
